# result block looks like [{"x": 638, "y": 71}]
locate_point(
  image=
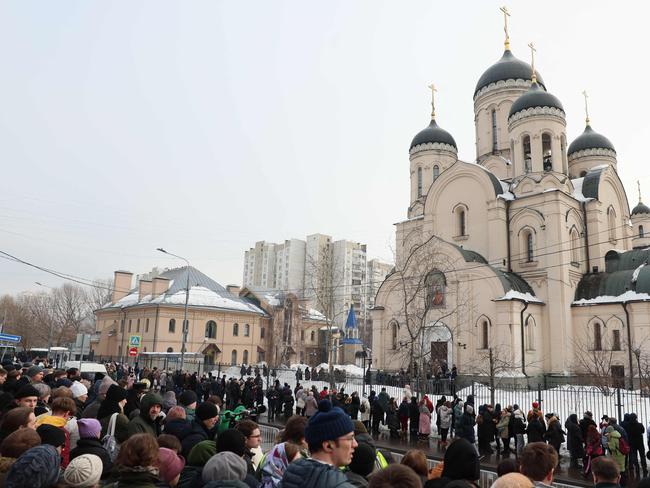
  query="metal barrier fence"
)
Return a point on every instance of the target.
[{"x": 269, "y": 436}]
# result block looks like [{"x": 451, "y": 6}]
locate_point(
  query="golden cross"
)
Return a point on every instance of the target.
[
  {"x": 506, "y": 14},
  {"x": 584, "y": 93},
  {"x": 433, "y": 100},
  {"x": 638, "y": 184},
  {"x": 532, "y": 64}
]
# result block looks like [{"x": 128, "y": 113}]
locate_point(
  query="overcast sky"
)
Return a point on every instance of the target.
[{"x": 202, "y": 127}]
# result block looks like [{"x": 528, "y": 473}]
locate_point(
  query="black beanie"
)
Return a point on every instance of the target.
[
  {"x": 115, "y": 393},
  {"x": 206, "y": 410},
  {"x": 461, "y": 461},
  {"x": 27, "y": 391},
  {"x": 54, "y": 436},
  {"x": 232, "y": 440},
  {"x": 363, "y": 459},
  {"x": 187, "y": 398}
]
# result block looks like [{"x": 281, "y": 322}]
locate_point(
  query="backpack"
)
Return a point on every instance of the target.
[
  {"x": 623, "y": 446},
  {"x": 109, "y": 441},
  {"x": 362, "y": 408}
]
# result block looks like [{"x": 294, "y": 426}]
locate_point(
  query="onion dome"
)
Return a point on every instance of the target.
[
  {"x": 590, "y": 139},
  {"x": 507, "y": 68},
  {"x": 535, "y": 97},
  {"x": 641, "y": 208},
  {"x": 433, "y": 134}
]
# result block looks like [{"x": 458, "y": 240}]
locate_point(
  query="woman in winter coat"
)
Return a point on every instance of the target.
[
  {"x": 593, "y": 448},
  {"x": 137, "y": 463},
  {"x": 424, "y": 423},
  {"x": 392, "y": 420},
  {"x": 364, "y": 411},
  {"x": 613, "y": 440},
  {"x": 444, "y": 415},
  {"x": 355, "y": 404},
  {"x": 311, "y": 405},
  {"x": 113, "y": 404},
  {"x": 574, "y": 441},
  {"x": 403, "y": 414},
  {"x": 535, "y": 429},
  {"x": 414, "y": 418},
  {"x": 502, "y": 429},
  {"x": 554, "y": 434}
]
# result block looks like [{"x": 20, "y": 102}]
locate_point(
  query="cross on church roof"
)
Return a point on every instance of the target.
[
  {"x": 533, "y": 77},
  {"x": 506, "y": 14},
  {"x": 584, "y": 93},
  {"x": 433, "y": 100}
]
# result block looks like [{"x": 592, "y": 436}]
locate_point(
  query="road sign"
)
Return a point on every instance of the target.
[
  {"x": 10, "y": 338},
  {"x": 133, "y": 351},
  {"x": 135, "y": 340}
]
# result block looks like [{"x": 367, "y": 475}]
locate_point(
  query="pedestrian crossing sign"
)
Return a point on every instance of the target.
[{"x": 135, "y": 340}]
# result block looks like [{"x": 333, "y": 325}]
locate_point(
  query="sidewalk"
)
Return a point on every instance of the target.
[{"x": 563, "y": 475}]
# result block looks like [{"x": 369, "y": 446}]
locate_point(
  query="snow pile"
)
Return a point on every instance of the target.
[
  {"x": 314, "y": 314},
  {"x": 628, "y": 296},
  {"x": 517, "y": 295},
  {"x": 635, "y": 275}
]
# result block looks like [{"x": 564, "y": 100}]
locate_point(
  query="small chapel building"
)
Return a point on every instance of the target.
[{"x": 526, "y": 261}]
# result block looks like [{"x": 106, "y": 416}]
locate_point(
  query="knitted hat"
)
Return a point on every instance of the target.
[
  {"x": 187, "y": 398},
  {"x": 535, "y": 405},
  {"x": 359, "y": 428},
  {"x": 106, "y": 383},
  {"x": 207, "y": 410},
  {"x": 201, "y": 453},
  {"x": 171, "y": 464},
  {"x": 34, "y": 370},
  {"x": 224, "y": 466},
  {"x": 363, "y": 459},
  {"x": 232, "y": 440},
  {"x": 115, "y": 393},
  {"x": 89, "y": 428},
  {"x": 84, "y": 471},
  {"x": 461, "y": 461},
  {"x": 78, "y": 389},
  {"x": 328, "y": 423},
  {"x": 36, "y": 468},
  {"x": 54, "y": 436},
  {"x": 27, "y": 391}
]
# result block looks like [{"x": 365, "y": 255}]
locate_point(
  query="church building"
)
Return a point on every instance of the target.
[{"x": 526, "y": 261}]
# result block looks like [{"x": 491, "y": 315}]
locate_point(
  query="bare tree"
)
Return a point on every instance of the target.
[
  {"x": 427, "y": 301},
  {"x": 97, "y": 296},
  {"x": 595, "y": 361}
]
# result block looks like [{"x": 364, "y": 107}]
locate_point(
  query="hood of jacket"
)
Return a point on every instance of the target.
[
  {"x": 148, "y": 401},
  {"x": 309, "y": 472},
  {"x": 52, "y": 420}
]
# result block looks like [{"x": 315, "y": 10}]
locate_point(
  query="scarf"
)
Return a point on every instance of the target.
[{"x": 275, "y": 465}]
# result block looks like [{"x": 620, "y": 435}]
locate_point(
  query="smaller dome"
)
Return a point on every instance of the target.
[
  {"x": 433, "y": 134},
  {"x": 536, "y": 96},
  {"x": 641, "y": 208},
  {"x": 590, "y": 139}
]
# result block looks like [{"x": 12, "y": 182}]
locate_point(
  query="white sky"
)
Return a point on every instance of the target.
[{"x": 202, "y": 127}]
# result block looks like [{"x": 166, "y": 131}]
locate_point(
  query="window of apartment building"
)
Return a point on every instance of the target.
[
  {"x": 244, "y": 358},
  {"x": 247, "y": 330},
  {"x": 235, "y": 330},
  {"x": 233, "y": 358},
  {"x": 616, "y": 340},
  {"x": 211, "y": 329},
  {"x": 146, "y": 326},
  {"x": 172, "y": 325},
  {"x": 260, "y": 356}
]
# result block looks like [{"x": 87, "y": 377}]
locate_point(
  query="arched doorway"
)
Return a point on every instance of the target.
[
  {"x": 437, "y": 346},
  {"x": 210, "y": 354}
]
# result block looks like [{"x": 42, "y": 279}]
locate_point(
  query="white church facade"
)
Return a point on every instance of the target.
[{"x": 528, "y": 255}]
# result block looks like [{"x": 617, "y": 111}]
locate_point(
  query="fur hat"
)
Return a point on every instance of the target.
[
  {"x": 106, "y": 383},
  {"x": 84, "y": 471},
  {"x": 115, "y": 393},
  {"x": 27, "y": 391}
]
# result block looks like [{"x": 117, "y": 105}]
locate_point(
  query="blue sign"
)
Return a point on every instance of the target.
[{"x": 10, "y": 338}]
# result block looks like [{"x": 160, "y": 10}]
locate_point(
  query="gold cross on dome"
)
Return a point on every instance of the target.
[
  {"x": 638, "y": 184},
  {"x": 584, "y": 94},
  {"x": 532, "y": 64},
  {"x": 433, "y": 89},
  {"x": 506, "y": 14}
]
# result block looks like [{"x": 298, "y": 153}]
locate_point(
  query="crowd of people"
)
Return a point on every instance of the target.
[{"x": 148, "y": 429}]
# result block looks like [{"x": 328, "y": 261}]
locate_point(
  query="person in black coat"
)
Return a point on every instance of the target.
[
  {"x": 635, "y": 431},
  {"x": 554, "y": 434},
  {"x": 575, "y": 440},
  {"x": 203, "y": 427},
  {"x": 414, "y": 418},
  {"x": 535, "y": 429},
  {"x": 89, "y": 443}
]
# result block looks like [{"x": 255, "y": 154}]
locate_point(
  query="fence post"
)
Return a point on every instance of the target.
[
  {"x": 539, "y": 396},
  {"x": 473, "y": 395},
  {"x": 619, "y": 405}
]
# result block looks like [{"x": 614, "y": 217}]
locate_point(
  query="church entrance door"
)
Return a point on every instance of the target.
[{"x": 438, "y": 353}]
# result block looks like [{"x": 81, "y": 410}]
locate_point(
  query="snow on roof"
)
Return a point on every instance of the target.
[
  {"x": 517, "y": 295},
  {"x": 577, "y": 190},
  {"x": 314, "y": 314},
  {"x": 635, "y": 275},
  {"x": 628, "y": 296},
  {"x": 507, "y": 194}
]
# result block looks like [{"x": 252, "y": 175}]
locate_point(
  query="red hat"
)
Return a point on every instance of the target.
[
  {"x": 171, "y": 464},
  {"x": 535, "y": 405}
]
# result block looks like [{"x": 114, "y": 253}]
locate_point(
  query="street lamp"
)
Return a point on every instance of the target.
[{"x": 187, "y": 299}]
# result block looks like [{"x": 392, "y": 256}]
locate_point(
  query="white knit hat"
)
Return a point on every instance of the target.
[
  {"x": 78, "y": 389},
  {"x": 84, "y": 471}
]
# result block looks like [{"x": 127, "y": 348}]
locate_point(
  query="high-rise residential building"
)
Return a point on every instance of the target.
[
  {"x": 259, "y": 265},
  {"x": 290, "y": 266},
  {"x": 348, "y": 278},
  {"x": 376, "y": 273}
]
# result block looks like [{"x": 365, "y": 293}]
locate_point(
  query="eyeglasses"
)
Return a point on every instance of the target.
[
  {"x": 350, "y": 438},
  {"x": 258, "y": 435}
]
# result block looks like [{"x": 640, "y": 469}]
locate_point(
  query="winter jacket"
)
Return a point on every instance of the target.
[
  {"x": 635, "y": 432},
  {"x": 535, "y": 429},
  {"x": 364, "y": 416},
  {"x": 179, "y": 428},
  {"x": 93, "y": 446},
  {"x": 414, "y": 415},
  {"x": 502, "y": 425},
  {"x": 575, "y": 440},
  {"x": 311, "y": 405},
  {"x": 356, "y": 480},
  {"x": 383, "y": 400},
  {"x": 518, "y": 423},
  {"x": 143, "y": 423},
  {"x": 613, "y": 439},
  {"x": 465, "y": 425},
  {"x": 309, "y": 473},
  {"x": 127, "y": 478},
  {"x": 444, "y": 415},
  {"x": 554, "y": 434},
  {"x": 121, "y": 427},
  {"x": 197, "y": 433}
]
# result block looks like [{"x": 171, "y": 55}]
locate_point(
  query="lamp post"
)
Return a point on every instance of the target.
[{"x": 187, "y": 299}]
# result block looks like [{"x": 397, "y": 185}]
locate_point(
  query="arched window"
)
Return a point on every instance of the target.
[
  {"x": 235, "y": 330},
  {"x": 529, "y": 245},
  {"x": 485, "y": 335},
  {"x": 435, "y": 284},
  {"x": 640, "y": 231},
  {"x": 528, "y": 162},
  {"x": 530, "y": 333},
  {"x": 170, "y": 349},
  {"x": 611, "y": 222},
  {"x": 137, "y": 326},
  {"x": 247, "y": 330},
  {"x": 616, "y": 340},
  {"x": 494, "y": 131},
  {"x": 211, "y": 330},
  {"x": 461, "y": 220},
  {"x": 575, "y": 247},
  {"x": 436, "y": 172},
  {"x": 172, "y": 325},
  {"x": 598, "y": 338},
  {"x": 419, "y": 182},
  {"x": 394, "y": 334},
  {"x": 244, "y": 357},
  {"x": 312, "y": 336},
  {"x": 233, "y": 358},
  {"x": 547, "y": 153}
]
